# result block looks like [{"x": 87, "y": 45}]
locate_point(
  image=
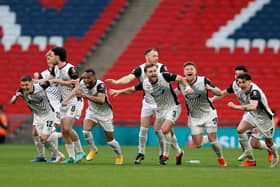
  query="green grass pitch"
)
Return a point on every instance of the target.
[{"x": 16, "y": 171}]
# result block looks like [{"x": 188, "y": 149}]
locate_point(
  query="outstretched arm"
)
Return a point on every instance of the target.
[
  {"x": 123, "y": 80},
  {"x": 224, "y": 94},
  {"x": 124, "y": 91},
  {"x": 252, "y": 106}
]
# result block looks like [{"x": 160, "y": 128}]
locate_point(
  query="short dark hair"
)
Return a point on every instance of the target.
[
  {"x": 61, "y": 52},
  {"x": 189, "y": 64},
  {"x": 25, "y": 78},
  {"x": 246, "y": 76},
  {"x": 241, "y": 67},
  {"x": 147, "y": 51},
  {"x": 147, "y": 66},
  {"x": 90, "y": 71}
]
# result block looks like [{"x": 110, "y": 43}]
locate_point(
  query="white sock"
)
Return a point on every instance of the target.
[
  {"x": 175, "y": 145},
  {"x": 160, "y": 141},
  {"x": 54, "y": 139},
  {"x": 89, "y": 139},
  {"x": 78, "y": 146},
  {"x": 167, "y": 142},
  {"x": 70, "y": 150},
  {"x": 273, "y": 150},
  {"x": 217, "y": 148},
  {"x": 50, "y": 146},
  {"x": 143, "y": 136},
  {"x": 116, "y": 147},
  {"x": 244, "y": 142},
  {"x": 243, "y": 139},
  {"x": 39, "y": 146}
]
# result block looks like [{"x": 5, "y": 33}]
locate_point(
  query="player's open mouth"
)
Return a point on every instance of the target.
[{"x": 189, "y": 74}]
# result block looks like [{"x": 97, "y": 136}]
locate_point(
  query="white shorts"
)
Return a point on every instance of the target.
[
  {"x": 210, "y": 123},
  {"x": 105, "y": 122},
  {"x": 265, "y": 127},
  {"x": 44, "y": 124},
  {"x": 147, "y": 109},
  {"x": 172, "y": 114},
  {"x": 72, "y": 110}
]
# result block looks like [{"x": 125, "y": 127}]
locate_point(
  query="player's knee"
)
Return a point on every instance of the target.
[
  {"x": 240, "y": 131},
  {"x": 43, "y": 139},
  {"x": 165, "y": 130},
  {"x": 65, "y": 131}
]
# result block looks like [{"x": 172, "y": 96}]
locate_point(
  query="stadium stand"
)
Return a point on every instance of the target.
[
  {"x": 31, "y": 28},
  {"x": 217, "y": 35},
  {"x": 186, "y": 34}
]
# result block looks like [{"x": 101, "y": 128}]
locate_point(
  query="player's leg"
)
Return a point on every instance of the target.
[
  {"x": 177, "y": 148},
  {"x": 170, "y": 118},
  {"x": 112, "y": 142},
  {"x": 257, "y": 143},
  {"x": 46, "y": 131},
  {"x": 55, "y": 135},
  {"x": 243, "y": 126},
  {"x": 197, "y": 136},
  {"x": 159, "y": 134},
  {"x": 66, "y": 129},
  {"x": 146, "y": 119},
  {"x": 54, "y": 139},
  {"x": 212, "y": 136},
  {"x": 87, "y": 127},
  {"x": 167, "y": 136},
  {"x": 80, "y": 154},
  {"x": 273, "y": 149},
  {"x": 267, "y": 129},
  {"x": 39, "y": 146}
]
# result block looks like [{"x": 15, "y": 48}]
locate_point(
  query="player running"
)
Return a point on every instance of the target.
[
  {"x": 258, "y": 114},
  {"x": 148, "y": 108},
  {"x": 201, "y": 112},
  {"x": 98, "y": 111},
  {"x": 36, "y": 99},
  {"x": 157, "y": 86},
  {"x": 254, "y": 134}
]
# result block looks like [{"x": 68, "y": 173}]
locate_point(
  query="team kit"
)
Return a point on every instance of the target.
[{"x": 56, "y": 98}]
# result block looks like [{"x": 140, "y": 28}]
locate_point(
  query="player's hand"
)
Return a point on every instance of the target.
[
  {"x": 36, "y": 75},
  {"x": 18, "y": 94},
  {"x": 189, "y": 90},
  {"x": 113, "y": 92},
  {"x": 112, "y": 81},
  {"x": 64, "y": 103},
  {"x": 231, "y": 105},
  {"x": 79, "y": 93}
]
